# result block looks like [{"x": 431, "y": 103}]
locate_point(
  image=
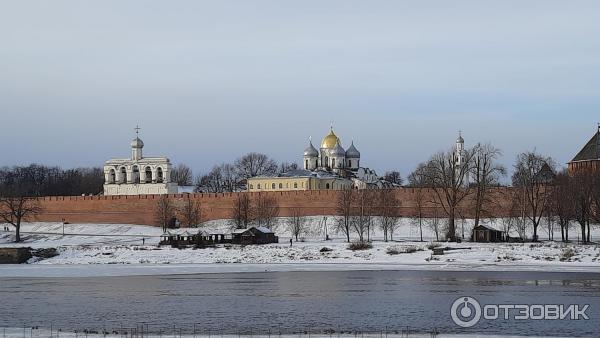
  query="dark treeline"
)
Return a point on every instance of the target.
[
  {"x": 40, "y": 180},
  {"x": 231, "y": 177}
]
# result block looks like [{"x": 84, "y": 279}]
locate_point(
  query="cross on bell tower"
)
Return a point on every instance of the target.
[{"x": 136, "y": 145}]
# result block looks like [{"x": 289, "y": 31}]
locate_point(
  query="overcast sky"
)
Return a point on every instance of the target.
[{"x": 209, "y": 81}]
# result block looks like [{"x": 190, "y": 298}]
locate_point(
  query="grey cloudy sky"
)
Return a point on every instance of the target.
[{"x": 208, "y": 81}]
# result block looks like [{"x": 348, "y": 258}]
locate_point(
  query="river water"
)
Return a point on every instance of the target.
[{"x": 296, "y": 301}]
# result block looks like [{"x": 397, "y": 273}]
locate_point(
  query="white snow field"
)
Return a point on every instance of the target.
[{"x": 117, "y": 249}]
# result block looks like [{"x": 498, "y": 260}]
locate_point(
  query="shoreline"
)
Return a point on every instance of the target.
[{"x": 125, "y": 270}]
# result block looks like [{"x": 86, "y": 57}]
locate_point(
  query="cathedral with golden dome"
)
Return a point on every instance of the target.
[
  {"x": 331, "y": 156},
  {"x": 329, "y": 167}
]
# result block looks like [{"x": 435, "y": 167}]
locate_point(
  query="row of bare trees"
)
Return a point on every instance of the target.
[
  {"x": 575, "y": 199},
  {"x": 260, "y": 210},
  {"x": 167, "y": 211},
  {"x": 360, "y": 211},
  {"x": 537, "y": 194},
  {"x": 40, "y": 180},
  {"x": 230, "y": 177},
  {"x": 455, "y": 183}
]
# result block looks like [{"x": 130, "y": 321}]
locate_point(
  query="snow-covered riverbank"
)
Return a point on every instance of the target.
[{"x": 104, "y": 248}]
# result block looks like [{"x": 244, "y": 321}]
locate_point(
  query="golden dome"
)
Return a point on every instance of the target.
[{"x": 330, "y": 140}]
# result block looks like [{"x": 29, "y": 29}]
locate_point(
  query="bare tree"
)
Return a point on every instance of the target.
[
  {"x": 296, "y": 223},
  {"x": 229, "y": 178},
  {"x": 485, "y": 173},
  {"x": 344, "y": 211},
  {"x": 419, "y": 199},
  {"x": 211, "y": 182},
  {"x": 533, "y": 172},
  {"x": 583, "y": 183},
  {"x": 164, "y": 212},
  {"x": 267, "y": 210},
  {"x": 418, "y": 179},
  {"x": 242, "y": 212},
  {"x": 182, "y": 175},
  {"x": 255, "y": 164},
  {"x": 595, "y": 180},
  {"x": 221, "y": 178},
  {"x": 448, "y": 177},
  {"x": 435, "y": 225},
  {"x": 562, "y": 203},
  {"x": 191, "y": 213},
  {"x": 14, "y": 210},
  {"x": 393, "y": 177},
  {"x": 362, "y": 219},
  {"x": 388, "y": 212}
]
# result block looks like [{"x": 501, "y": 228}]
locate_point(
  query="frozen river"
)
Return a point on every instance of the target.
[{"x": 295, "y": 301}]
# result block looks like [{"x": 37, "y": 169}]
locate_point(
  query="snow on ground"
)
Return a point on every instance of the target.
[{"x": 86, "y": 244}]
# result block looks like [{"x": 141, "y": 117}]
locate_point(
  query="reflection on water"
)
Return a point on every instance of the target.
[{"x": 294, "y": 301}]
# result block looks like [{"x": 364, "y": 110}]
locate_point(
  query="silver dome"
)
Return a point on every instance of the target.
[
  {"x": 338, "y": 150},
  {"x": 352, "y": 152},
  {"x": 137, "y": 143},
  {"x": 310, "y": 151}
]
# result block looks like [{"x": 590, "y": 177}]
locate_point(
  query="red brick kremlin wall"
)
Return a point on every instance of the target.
[{"x": 140, "y": 209}]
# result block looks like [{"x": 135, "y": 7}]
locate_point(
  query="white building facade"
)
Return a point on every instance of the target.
[
  {"x": 138, "y": 175},
  {"x": 460, "y": 158}
]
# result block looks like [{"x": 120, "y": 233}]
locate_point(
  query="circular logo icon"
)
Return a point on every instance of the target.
[{"x": 465, "y": 311}]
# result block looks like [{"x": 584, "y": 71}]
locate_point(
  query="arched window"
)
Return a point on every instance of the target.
[
  {"x": 159, "y": 175},
  {"x": 327, "y": 186},
  {"x": 326, "y": 161},
  {"x": 111, "y": 176},
  {"x": 280, "y": 186},
  {"x": 136, "y": 175},
  {"x": 251, "y": 186},
  {"x": 258, "y": 186},
  {"x": 350, "y": 163},
  {"x": 148, "y": 178},
  {"x": 295, "y": 185},
  {"x": 123, "y": 175},
  {"x": 272, "y": 185},
  {"x": 305, "y": 164},
  {"x": 333, "y": 162}
]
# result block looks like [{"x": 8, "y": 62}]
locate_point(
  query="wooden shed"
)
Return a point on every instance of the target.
[
  {"x": 485, "y": 233},
  {"x": 254, "y": 235}
]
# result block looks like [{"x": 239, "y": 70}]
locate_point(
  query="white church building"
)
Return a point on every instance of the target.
[{"x": 138, "y": 175}]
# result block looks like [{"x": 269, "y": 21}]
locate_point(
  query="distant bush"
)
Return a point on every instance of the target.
[
  {"x": 566, "y": 254},
  {"x": 432, "y": 245},
  {"x": 325, "y": 249},
  {"x": 396, "y": 250},
  {"x": 360, "y": 246},
  {"x": 393, "y": 250},
  {"x": 410, "y": 249}
]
